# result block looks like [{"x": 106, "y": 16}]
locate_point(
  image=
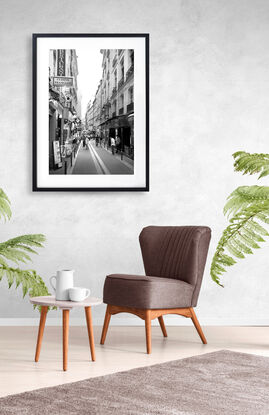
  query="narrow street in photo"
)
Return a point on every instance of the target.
[
  {"x": 91, "y": 111},
  {"x": 98, "y": 160}
]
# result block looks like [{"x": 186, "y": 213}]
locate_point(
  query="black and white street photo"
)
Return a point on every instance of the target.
[{"x": 91, "y": 111}]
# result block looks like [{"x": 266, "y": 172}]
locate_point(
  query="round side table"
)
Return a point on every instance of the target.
[{"x": 66, "y": 306}]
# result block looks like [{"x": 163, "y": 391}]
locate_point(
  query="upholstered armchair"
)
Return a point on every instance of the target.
[{"x": 174, "y": 260}]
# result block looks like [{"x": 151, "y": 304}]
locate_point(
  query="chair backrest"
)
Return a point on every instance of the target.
[{"x": 176, "y": 252}]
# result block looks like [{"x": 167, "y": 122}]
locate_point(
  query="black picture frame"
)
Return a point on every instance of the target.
[{"x": 38, "y": 188}]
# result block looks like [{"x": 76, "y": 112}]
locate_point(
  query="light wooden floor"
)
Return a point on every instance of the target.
[{"x": 124, "y": 349}]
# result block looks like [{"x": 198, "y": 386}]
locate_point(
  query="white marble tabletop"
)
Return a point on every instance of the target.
[{"x": 51, "y": 302}]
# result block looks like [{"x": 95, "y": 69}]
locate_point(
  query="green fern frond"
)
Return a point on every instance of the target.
[
  {"x": 27, "y": 240},
  {"x": 241, "y": 236},
  {"x": 30, "y": 282},
  {"x": 251, "y": 163},
  {"x": 19, "y": 250},
  {"x": 3, "y": 262},
  {"x": 244, "y": 196},
  {"x": 5, "y": 211}
]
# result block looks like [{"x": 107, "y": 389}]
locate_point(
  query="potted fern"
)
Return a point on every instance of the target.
[
  {"x": 247, "y": 209},
  {"x": 17, "y": 250}
]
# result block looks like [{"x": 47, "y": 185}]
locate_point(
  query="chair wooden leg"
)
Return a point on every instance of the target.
[
  {"x": 88, "y": 314},
  {"x": 105, "y": 326},
  {"x": 65, "y": 337},
  {"x": 43, "y": 316},
  {"x": 162, "y": 326},
  {"x": 148, "y": 330},
  {"x": 197, "y": 325}
]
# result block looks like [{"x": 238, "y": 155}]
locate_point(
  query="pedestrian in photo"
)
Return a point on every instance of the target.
[
  {"x": 96, "y": 141},
  {"x": 117, "y": 144},
  {"x": 87, "y": 143},
  {"x": 113, "y": 145}
]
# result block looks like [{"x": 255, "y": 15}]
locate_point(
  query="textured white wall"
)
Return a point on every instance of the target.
[{"x": 209, "y": 97}]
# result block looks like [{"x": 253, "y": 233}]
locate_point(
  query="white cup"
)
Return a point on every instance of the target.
[{"x": 78, "y": 293}]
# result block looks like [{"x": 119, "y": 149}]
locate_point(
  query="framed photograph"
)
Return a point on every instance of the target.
[{"x": 91, "y": 112}]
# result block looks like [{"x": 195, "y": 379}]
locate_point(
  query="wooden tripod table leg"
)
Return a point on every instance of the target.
[
  {"x": 88, "y": 314},
  {"x": 65, "y": 337},
  {"x": 43, "y": 315}
]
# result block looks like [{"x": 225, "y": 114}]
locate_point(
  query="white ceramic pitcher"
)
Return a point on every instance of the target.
[{"x": 64, "y": 280}]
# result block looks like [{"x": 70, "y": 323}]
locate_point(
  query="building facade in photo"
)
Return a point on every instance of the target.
[
  {"x": 64, "y": 104},
  {"x": 113, "y": 107}
]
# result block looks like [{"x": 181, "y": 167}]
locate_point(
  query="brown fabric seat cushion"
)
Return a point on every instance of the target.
[{"x": 147, "y": 292}]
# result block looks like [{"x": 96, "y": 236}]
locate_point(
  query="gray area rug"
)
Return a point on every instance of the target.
[{"x": 220, "y": 383}]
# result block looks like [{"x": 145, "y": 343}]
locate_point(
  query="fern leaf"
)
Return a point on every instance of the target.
[
  {"x": 30, "y": 281},
  {"x": 15, "y": 255},
  {"x": 17, "y": 249},
  {"x": 253, "y": 225},
  {"x": 242, "y": 245},
  {"x": 251, "y": 163},
  {"x": 252, "y": 235},
  {"x": 233, "y": 249},
  {"x": 227, "y": 260},
  {"x": 3, "y": 262},
  {"x": 248, "y": 240},
  {"x": 10, "y": 277},
  {"x": 241, "y": 235},
  {"x": 244, "y": 196},
  {"x": 5, "y": 211},
  {"x": 31, "y": 240}
]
